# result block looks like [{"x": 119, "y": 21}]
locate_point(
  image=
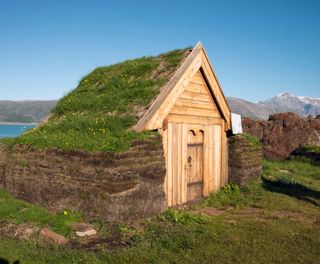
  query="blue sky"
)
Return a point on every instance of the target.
[{"x": 258, "y": 48}]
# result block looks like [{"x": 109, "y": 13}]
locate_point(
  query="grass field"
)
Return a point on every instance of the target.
[{"x": 272, "y": 220}]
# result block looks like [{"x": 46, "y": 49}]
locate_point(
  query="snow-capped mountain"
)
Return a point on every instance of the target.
[{"x": 284, "y": 102}]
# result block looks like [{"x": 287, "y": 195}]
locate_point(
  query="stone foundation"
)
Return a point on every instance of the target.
[
  {"x": 245, "y": 160},
  {"x": 114, "y": 187}
]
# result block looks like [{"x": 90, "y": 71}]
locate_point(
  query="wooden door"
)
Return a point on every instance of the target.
[{"x": 195, "y": 164}]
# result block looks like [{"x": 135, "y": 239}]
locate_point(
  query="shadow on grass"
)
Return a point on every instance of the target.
[
  {"x": 306, "y": 155},
  {"x": 4, "y": 261},
  {"x": 292, "y": 189}
]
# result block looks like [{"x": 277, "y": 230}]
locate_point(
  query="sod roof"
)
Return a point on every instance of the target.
[{"x": 99, "y": 114}]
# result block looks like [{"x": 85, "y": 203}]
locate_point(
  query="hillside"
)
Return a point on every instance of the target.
[
  {"x": 35, "y": 111},
  {"x": 285, "y": 102},
  {"x": 99, "y": 113},
  {"x": 248, "y": 109},
  {"x": 25, "y": 111}
]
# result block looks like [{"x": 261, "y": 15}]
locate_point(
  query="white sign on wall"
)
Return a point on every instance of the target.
[{"x": 236, "y": 123}]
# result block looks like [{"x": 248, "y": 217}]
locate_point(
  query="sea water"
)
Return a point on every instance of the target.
[{"x": 13, "y": 130}]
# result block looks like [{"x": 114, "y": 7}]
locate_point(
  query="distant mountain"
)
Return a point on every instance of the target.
[
  {"x": 248, "y": 109},
  {"x": 284, "y": 102},
  {"x": 25, "y": 111},
  {"x": 35, "y": 111}
]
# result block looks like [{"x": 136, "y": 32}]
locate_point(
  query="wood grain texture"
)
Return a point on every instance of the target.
[
  {"x": 169, "y": 166},
  {"x": 187, "y": 83},
  {"x": 196, "y": 96},
  {"x": 188, "y": 119},
  {"x": 224, "y": 159},
  {"x": 156, "y": 113},
  {"x": 184, "y": 163},
  {"x": 184, "y": 110},
  {"x": 164, "y": 134},
  {"x": 216, "y": 157},
  {"x": 179, "y": 162},
  {"x": 195, "y": 103},
  {"x": 192, "y": 106},
  {"x": 215, "y": 88},
  {"x": 210, "y": 159},
  {"x": 195, "y": 164}
]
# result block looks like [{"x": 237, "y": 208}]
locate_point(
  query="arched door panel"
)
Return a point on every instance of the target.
[{"x": 195, "y": 164}]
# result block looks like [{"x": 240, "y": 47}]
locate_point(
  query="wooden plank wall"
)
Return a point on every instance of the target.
[
  {"x": 175, "y": 142},
  {"x": 216, "y": 157},
  {"x": 224, "y": 159},
  {"x": 196, "y": 100},
  {"x": 176, "y": 151},
  {"x": 194, "y": 110}
]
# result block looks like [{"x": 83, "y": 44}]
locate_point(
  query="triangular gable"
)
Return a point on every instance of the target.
[
  {"x": 162, "y": 105},
  {"x": 196, "y": 100}
]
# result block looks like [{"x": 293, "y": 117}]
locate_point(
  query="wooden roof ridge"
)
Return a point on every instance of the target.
[{"x": 159, "y": 108}]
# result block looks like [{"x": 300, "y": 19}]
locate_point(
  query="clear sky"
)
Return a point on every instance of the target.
[{"x": 258, "y": 48}]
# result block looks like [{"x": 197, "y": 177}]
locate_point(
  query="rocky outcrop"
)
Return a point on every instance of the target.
[
  {"x": 245, "y": 160},
  {"x": 284, "y": 133},
  {"x": 116, "y": 187}
]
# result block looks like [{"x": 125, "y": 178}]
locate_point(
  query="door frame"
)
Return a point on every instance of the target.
[{"x": 175, "y": 148}]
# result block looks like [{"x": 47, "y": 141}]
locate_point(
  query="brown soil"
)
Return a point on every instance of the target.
[
  {"x": 288, "y": 214},
  {"x": 215, "y": 211},
  {"x": 113, "y": 242},
  {"x": 20, "y": 231}
]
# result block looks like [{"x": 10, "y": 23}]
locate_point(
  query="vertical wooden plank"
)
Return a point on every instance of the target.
[
  {"x": 184, "y": 153},
  {"x": 206, "y": 164},
  {"x": 169, "y": 166},
  {"x": 217, "y": 157},
  {"x": 178, "y": 161},
  {"x": 210, "y": 158},
  {"x": 224, "y": 158},
  {"x": 174, "y": 163},
  {"x": 164, "y": 134}
]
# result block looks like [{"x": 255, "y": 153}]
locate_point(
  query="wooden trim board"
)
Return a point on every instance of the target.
[{"x": 162, "y": 105}]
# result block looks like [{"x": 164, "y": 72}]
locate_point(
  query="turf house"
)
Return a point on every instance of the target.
[{"x": 132, "y": 139}]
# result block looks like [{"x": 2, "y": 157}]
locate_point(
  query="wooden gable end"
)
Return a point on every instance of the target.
[
  {"x": 196, "y": 100},
  {"x": 196, "y": 78}
]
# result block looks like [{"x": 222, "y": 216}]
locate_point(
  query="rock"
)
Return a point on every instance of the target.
[
  {"x": 283, "y": 133},
  {"x": 52, "y": 237},
  {"x": 284, "y": 171},
  {"x": 84, "y": 230},
  {"x": 82, "y": 227},
  {"x": 88, "y": 233}
]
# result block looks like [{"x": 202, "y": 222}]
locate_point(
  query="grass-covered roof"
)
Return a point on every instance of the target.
[{"x": 99, "y": 114}]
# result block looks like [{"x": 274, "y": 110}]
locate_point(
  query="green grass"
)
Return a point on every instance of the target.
[
  {"x": 99, "y": 114},
  {"x": 285, "y": 229},
  {"x": 17, "y": 212},
  {"x": 252, "y": 139}
]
